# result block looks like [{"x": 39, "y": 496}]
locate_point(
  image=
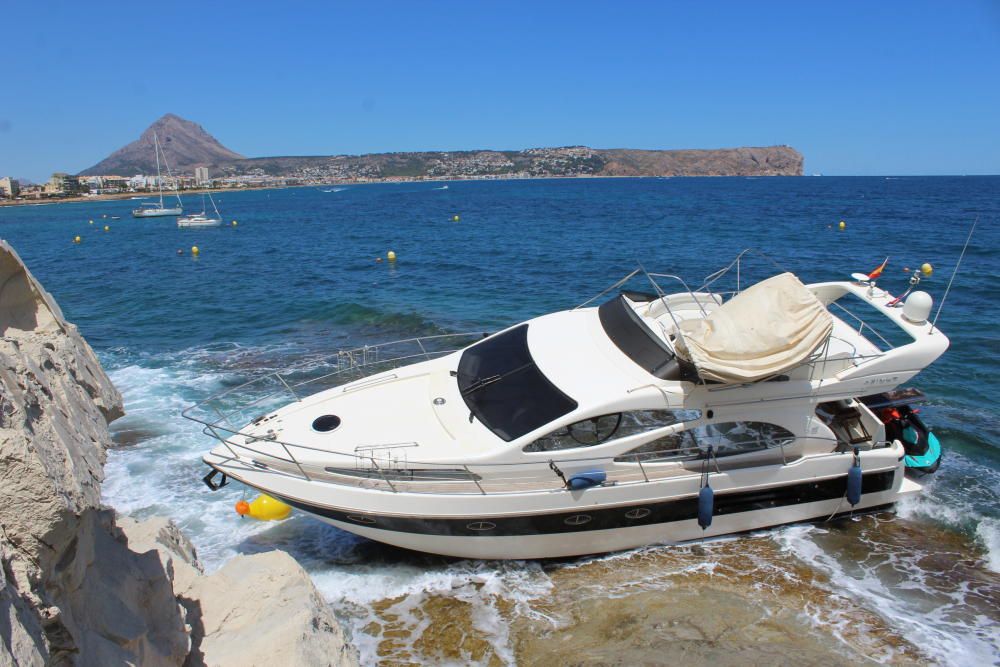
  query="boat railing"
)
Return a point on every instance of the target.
[
  {"x": 239, "y": 410},
  {"x": 399, "y": 475},
  {"x": 862, "y": 326}
]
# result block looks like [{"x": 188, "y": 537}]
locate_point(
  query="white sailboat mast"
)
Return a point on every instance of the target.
[
  {"x": 159, "y": 181},
  {"x": 170, "y": 175},
  {"x": 219, "y": 217}
]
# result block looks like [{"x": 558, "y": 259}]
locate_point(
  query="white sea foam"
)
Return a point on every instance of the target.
[
  {"x": 933, "y": 619},
  {"x": 352, "y": 590},
  {"x": 961, "y": 501},
  {"x": 988, "y": 533}
]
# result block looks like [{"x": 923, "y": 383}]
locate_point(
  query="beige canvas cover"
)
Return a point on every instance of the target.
[{"x": 768, "y": 328}]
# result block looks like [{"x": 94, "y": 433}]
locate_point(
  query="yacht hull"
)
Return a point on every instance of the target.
[
  {"x": 565, "y": 545},
  {"x": 156, "y": 212},
  {"x": 577, "y": 523}
]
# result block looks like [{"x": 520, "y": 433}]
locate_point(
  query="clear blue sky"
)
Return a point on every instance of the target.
[{"x": 873, "y": 87}]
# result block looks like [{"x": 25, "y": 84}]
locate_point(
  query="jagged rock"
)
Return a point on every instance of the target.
[
  {"x": 257, "y": 610},
  {"x": 263, "y": 610},
  {"x": 72, "y": 593},
  {"x": 79, "y": 588},
  {"x": 177, "y": 554}
]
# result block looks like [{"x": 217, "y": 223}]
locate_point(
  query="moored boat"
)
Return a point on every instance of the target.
[
  {"x": 158, "y": 210},
  {"x": 202, "y": 219}
]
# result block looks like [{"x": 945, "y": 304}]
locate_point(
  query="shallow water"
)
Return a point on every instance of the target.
[{"x": 297, "y": 279}]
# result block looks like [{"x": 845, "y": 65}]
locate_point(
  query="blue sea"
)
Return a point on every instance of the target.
[{"x": 296, "y": 279}]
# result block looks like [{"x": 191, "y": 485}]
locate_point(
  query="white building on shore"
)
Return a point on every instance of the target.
[{"x": 9, "y": 187}]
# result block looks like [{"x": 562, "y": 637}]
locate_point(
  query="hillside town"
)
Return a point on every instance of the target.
[
  {"x": 530, "y": 163},
  {"x": 62, "y": 185}
]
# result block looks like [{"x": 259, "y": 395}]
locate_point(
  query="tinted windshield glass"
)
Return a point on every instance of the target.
[
  {"x": 641, "y": 345},
  {"x": 504, "y": 388}
]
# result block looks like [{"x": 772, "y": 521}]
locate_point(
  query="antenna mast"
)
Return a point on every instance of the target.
[{"x": 953, "y": 274}]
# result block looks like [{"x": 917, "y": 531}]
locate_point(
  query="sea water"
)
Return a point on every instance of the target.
[{"x": 297, "y": 279}]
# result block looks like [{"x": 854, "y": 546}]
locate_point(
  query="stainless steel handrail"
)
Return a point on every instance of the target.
[
  {"x": 863, "y": 324},
  {"x": 541, "y": 478}
]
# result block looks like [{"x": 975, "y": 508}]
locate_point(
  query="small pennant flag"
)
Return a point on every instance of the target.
[{"x": 877, "y": 272}]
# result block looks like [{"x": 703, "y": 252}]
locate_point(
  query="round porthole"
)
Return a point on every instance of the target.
[
  {"x": 481, "y": 525},
  {"x": 577, "y": 520},
  {"x": 326, "y": 423}
]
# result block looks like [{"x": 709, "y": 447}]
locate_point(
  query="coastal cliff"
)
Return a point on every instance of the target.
[
  {"x": 81, "y": 586},
  {"x": 567, "y": 161},
  {"x": 187, "y": 145}
]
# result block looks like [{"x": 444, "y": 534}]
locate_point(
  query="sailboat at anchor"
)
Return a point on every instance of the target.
[
  {"x": 202, "y": 219},
  {"x": 159, "y": 210}
]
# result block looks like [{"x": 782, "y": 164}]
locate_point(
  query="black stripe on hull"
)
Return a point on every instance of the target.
[{"x": 603, "y": 519}]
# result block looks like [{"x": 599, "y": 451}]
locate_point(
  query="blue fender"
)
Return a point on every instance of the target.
[
  {"x": 583, "y": 480},
  {"x": 706, "y": 506},
  {"x": 854, "y": 484}
]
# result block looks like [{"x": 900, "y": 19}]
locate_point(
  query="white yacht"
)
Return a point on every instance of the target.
[
  {"x": 652, "y": 418},
  {"x": 159, "y": 210},
  {"x": 202, "y": 219}
]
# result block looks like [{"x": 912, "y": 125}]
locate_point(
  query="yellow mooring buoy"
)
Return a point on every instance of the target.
[
  {"x": 264, "y": 508},
  {"x": 391, "y": 256},
  {"x": 76, "y": 239},
  {"x": 234, "y": 223},
  {"x": 106, "y": 228},
  {"x": 455, "y": 218},
  {"x": 194, "y": 250},
  {"x": 842, "y": 226},
  {"x": 926, "y": 269}
]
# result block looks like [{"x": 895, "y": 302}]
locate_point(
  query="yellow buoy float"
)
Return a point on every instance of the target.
[
  {"x": 391, "y": 256},
  {"x": 91, "y": 222},
  {"x": 106, "y": 228},
  {"x": 194, "y": 250},
  {"x": 76, "y": 239},
  {"x": 234, "y": 223},
  {"x": 455, "y": 218},
  {"x": 842, "y": 226},
  {"x": 264, "y": 508},
  {"x": 926, "y": 269}
]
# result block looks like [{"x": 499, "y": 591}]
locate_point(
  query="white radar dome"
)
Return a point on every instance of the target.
[{"x": 917, "y": 307}]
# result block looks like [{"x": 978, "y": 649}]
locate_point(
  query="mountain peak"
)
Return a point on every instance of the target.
[{"x": 185, "y": 144}]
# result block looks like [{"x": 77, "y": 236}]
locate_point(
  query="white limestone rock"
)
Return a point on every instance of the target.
[
  {"x": 72, "y": 591},
  {"x": 78, "y": 587},
  {"x": 263, "y": 610}
]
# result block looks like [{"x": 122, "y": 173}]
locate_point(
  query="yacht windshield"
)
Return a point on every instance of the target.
[
  {"x": 505, "y": 390},
  {"x": 634, "y": 338}
]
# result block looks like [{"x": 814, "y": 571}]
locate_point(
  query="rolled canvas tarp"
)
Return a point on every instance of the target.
[{"x": 768, "y": 328}]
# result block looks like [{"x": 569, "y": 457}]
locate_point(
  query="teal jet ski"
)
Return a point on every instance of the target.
[{"x": 903, "y": 423}]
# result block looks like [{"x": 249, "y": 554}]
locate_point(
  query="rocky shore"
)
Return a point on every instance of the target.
[{"x": 80, "y": 585}]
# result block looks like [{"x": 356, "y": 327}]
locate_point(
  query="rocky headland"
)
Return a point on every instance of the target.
[
  {"x": 187, "y": 145},
  {"x": 80, "y": 585}
]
